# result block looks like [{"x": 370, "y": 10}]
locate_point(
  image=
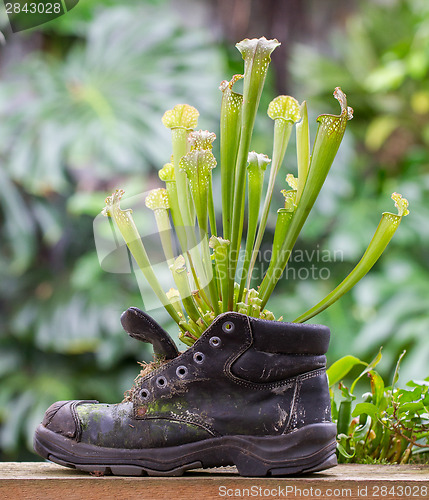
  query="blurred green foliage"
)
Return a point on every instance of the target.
[{"x": 74, "y": 117}]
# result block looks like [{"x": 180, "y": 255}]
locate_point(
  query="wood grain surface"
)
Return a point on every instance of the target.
[{"x": 46, "y": 481}]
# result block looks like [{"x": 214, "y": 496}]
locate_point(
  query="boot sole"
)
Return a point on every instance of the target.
[{"x": 309, "y": 449}]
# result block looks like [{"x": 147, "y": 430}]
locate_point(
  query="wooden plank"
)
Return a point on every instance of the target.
[{"x": 46, "y": 481}]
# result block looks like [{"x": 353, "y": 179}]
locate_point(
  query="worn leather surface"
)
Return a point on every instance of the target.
[
  {"x": 218, "y": 394},
  {"x": 257, "y": 366},
  {"x": 114, "y": 426},
  {"x": 290, "y": 338},
  {"x": 230, "y": 382},
  {"x": 61, "y": 417},
  {"x": 141, "y": 326}
]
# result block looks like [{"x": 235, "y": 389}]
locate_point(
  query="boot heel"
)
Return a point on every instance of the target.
[
  {"x": 330, "y": 461},
  {"x": 309, "y": 449}
]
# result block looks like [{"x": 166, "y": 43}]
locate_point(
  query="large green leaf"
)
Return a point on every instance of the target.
[
  {"x": 341, "y": 368},
  {"x": 365, "y": 408}
]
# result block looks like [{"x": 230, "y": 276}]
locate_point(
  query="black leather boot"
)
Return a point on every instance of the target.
[{"x": 249, "y": 393}]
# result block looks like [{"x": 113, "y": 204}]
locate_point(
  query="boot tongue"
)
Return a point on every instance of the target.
[{"x": 142, "y": 327}]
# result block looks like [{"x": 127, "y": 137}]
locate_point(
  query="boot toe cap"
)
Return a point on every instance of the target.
[{"x": 61, "y": 418}]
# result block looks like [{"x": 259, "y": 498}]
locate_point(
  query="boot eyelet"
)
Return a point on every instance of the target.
[
  {"x": 228, "y": 327},
  {"x": 181, "y": 371},
  {"x": 199, "y": 358},
  {"x": 161, "y": 382},
  {"x": 144, "y": 394},
  {"x": 215, "y": 342}
]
